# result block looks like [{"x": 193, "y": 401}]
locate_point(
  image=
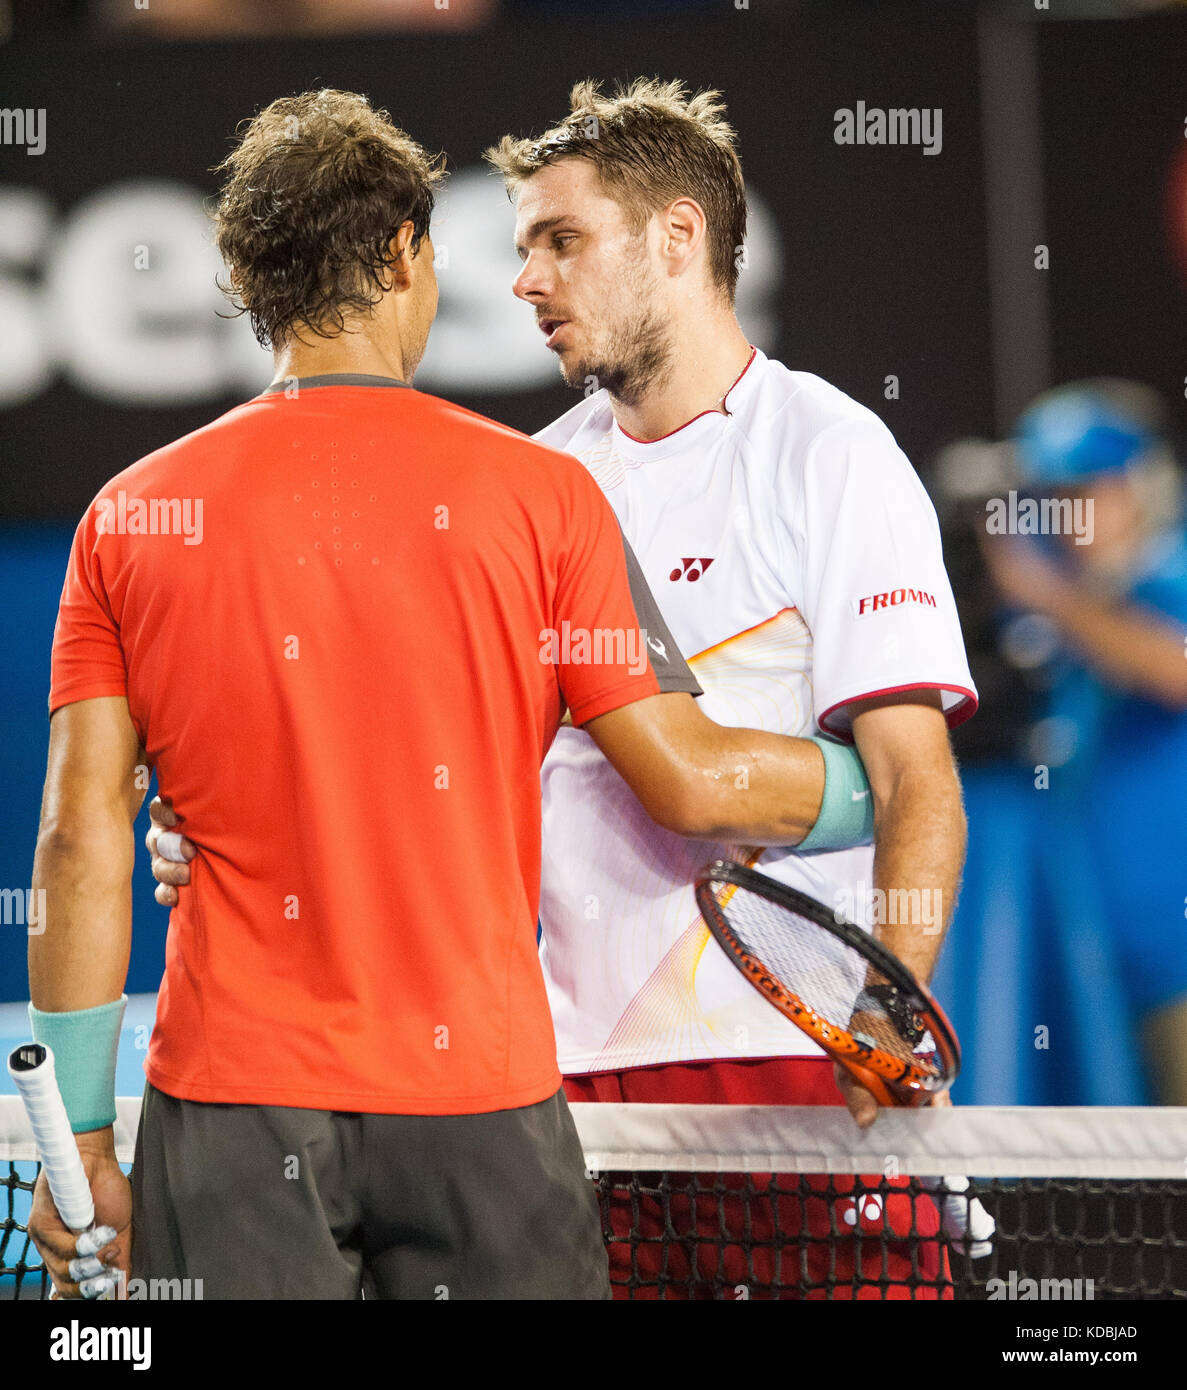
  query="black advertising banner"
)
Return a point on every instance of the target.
[{"x": 865, "y": 262}]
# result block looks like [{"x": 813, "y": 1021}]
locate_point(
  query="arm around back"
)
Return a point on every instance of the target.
[{"x": 703, "y": 780}]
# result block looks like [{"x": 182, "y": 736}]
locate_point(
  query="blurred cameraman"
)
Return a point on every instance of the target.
[{"x": 1091, "y": 554}]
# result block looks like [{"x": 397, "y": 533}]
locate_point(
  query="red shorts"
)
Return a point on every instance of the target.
[{"x": 761, "y": 1235}]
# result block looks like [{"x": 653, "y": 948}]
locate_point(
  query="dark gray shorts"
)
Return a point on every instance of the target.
[{"x": 263, "y": 1201}]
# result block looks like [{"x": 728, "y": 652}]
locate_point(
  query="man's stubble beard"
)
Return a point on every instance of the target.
[{"x": 636, "y": 359}]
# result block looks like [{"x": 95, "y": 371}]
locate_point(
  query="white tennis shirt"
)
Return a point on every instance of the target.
[{"x": 796, "y": 557}]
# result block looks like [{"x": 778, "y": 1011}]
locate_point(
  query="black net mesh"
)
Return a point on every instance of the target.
[
  {"x": 798, "y": 1236},
  {"x": 21, "y": 1272},
  {"x": 672, "y": 1235}
]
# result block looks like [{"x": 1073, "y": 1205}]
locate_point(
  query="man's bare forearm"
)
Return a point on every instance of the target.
[
  {"x": 763, "y": 788},
  {"x": 85, "y": 856},
  {"x": 710, "y": 782},
  {"x": 80, "y": 957},
  {"x": 920, "y": 834},
  {"x": 1138, "y": 650}
]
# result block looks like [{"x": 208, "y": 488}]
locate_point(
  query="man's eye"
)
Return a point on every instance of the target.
[{"x": 564, "y": 239}]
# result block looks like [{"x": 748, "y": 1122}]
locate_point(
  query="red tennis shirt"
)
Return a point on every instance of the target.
[{"x": 348, "y": 620}]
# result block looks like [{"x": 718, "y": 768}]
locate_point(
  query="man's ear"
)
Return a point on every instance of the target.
[
  {"x": 683, "y": 225},
  {"x": 399, "y": 251}
]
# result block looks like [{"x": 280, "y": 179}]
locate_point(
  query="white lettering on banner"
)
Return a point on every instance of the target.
[{"x": 153, "y": 336}]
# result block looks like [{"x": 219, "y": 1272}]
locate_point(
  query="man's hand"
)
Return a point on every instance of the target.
[
  {"x": 1127, "y": 645},
  {"x": 57, "y": 1244},
  {"x": 171, "y": 852},
  {"x": 862, "y": 1106}
]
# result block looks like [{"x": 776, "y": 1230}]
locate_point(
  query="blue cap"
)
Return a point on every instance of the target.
[{"x": 1074, "y": 433}]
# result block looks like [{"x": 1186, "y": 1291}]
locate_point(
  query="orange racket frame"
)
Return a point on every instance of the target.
[{"x": 891, "y": 1080}]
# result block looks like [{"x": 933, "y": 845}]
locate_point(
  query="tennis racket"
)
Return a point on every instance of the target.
[
  {"x": 851, "y": 995},
  {"x": 834, "y": 981},
  {"x": 31, "y": 1067}
]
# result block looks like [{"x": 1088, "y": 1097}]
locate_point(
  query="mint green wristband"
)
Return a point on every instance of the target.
[
  {"x": 846, "y": 816},
  {"x": 85, "y": 1043}
]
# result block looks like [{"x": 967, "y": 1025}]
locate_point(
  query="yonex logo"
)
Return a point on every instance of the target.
[
  {"x": 867, "y": 1207},
  {"x": 892, "y": 598},
  {"x": 690, "y": 569}
]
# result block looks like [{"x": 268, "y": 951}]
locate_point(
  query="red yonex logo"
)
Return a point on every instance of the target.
[
  {"x": 872, "y": 602},
  {"x": 692, "y": 570}
]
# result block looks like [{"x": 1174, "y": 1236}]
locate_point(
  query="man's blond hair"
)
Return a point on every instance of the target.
[{"x": 651, "y": 143}]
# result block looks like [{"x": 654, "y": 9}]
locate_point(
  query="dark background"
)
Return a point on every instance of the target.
[{"x": 882, "y": 249}]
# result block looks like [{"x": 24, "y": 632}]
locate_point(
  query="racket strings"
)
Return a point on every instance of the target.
[{"x": 831, "y": 978}]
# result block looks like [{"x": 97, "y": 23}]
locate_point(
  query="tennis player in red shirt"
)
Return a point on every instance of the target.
[{"x": 372, "y": 609}]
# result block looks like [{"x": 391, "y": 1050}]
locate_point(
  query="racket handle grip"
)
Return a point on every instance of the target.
[{"x": 31, "y": 1067}]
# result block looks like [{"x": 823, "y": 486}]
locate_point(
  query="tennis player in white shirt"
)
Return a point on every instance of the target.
[{"x": 797, "y": 560}]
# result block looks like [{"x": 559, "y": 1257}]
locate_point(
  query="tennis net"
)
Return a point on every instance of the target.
[{"x": 759, "y": 1202}]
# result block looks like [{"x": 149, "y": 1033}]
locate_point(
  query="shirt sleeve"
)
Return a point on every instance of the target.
[
  {"x": 1164, "y": 591},
  {"x": 609, "y": 641},
  {"x": 875, "y": 592},
  {"x": 88, "y": 659}
]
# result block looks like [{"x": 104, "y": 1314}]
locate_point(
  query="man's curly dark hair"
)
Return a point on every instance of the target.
[{"x": 315, "y": 189}]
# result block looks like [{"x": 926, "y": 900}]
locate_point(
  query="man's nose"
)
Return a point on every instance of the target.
[{"x": 531, "y": 282}]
